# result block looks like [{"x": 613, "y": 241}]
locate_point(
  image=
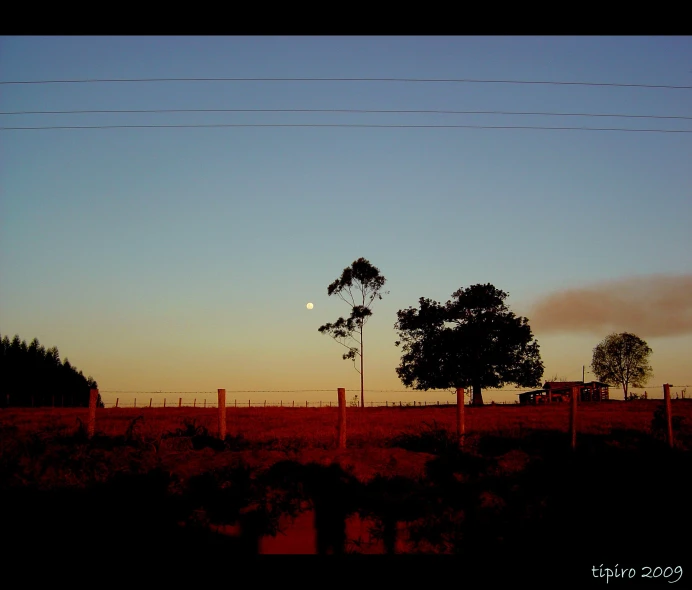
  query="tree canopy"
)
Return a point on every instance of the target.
[
  {"x": 359, "y": 286},
  {"x": 473, "y": 340},
  {"x": 623, "y": 359},
  {"x": 35, "y": 376}
]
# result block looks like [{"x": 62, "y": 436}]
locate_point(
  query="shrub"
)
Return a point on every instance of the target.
[{"x": 659, "y": 424}]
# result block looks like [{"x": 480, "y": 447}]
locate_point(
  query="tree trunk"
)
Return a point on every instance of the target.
[
  {"x": 624, "y": 387},
  {"x": 362, "y": 398},
  {"x": 477, "y": 395}
]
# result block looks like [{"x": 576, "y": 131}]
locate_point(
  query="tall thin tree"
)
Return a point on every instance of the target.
[{"x": 366, "y": 281}]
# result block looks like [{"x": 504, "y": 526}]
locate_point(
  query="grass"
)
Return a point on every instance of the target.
[
  {"x": 514, "y": 474},
  {"x": 317, "y": 426}
]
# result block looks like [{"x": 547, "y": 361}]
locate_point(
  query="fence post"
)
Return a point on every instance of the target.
[
  {"x": 164, "y": 402},
  {"x": 93, "y": 396},
  {"x": 669, "y": 417},
  {"x": 117, "y": 399},
  {"x": 306, "y": 403},
  {"x": 573, "y": 416},
  {"x": 222, "y": 414},
  {"x": 341, "y": 425},
  {"x": 461, "y": 427},
  {"x": 150, "y": 402}
]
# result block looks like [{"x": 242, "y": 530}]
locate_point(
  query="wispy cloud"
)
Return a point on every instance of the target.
[{"x": 649, "y": 306}]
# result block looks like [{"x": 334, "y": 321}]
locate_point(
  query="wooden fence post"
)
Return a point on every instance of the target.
[
  {"x": 573, "y": 416},
  {"x": 93, "y": 397},
  {"x": 194, "y": 403},
  {"x": 117, "y": 399},
  {"x": 461, "y": 427},
  {"x": 669, "y": 415},
  {"x": 150, "y": 402},
  {"x": 341, "y": 425},
  {"x": 222, "y": 414}
]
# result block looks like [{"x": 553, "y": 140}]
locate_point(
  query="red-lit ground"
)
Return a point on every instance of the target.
[{"x": 290, "y": 455}]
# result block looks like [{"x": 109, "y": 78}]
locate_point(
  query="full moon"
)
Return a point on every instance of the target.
[{"x": 309, "y": 306}]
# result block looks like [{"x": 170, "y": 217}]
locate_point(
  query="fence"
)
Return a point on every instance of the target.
[
  {"x": 341, "y": 424},
  {"x": 236, "y": 403}
]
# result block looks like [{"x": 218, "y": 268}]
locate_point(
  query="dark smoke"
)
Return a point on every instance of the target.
[{"x": 651, "y": 306}]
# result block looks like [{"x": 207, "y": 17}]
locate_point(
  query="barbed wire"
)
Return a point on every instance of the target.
[
  {"x": 415, "y": 80},
  {"x": 376, "y": 111},
  {"x": 331, "y": 390}
]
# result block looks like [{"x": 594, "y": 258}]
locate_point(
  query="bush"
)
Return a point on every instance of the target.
[{"x": 659, "y": 425}]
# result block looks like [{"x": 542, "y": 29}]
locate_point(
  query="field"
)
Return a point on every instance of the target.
[{"x": 155, "y": 477}]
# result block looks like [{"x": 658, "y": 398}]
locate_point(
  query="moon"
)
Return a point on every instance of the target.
[{"x": 309, "y": 306}]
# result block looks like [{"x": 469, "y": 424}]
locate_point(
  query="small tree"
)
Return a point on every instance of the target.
[
  {"x": 367, "y": 282},
  {"x": 623, "y": 359},
  {"x": 474, "y": 339}
]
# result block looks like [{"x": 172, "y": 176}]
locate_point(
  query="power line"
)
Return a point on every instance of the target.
[
  {"x": 447, "y": 80},
  {"x": 352, "y": 125},
  {"x": 379, "y": 111}
]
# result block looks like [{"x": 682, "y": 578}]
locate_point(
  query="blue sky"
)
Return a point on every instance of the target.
[{"x": 181, "y": 259}]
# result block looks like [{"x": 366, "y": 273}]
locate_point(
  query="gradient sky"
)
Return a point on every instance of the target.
[{"x": 182, "y": 259}]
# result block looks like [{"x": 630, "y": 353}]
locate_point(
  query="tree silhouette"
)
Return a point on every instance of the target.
[
  {"x": 624, "y": 359},
  {"x": 367, "y": 281},
  {"x": 33, "y": 376},
  {"x": 472, "y": 340}
]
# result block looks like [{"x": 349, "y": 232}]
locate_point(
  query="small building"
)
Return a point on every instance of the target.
[{"x": 561, "y": 391}]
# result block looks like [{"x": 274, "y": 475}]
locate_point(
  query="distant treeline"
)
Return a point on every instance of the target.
[{"x": 31, "y": 375}]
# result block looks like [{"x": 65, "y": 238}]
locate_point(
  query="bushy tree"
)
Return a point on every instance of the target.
[
  {"x": 473, "y": 340},
  {"x": 623, "y": 359}
]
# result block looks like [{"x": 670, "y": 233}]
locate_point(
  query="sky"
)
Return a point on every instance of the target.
[{"x": 182, "y": 259}]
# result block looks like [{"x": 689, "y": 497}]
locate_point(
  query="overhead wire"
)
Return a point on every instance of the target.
[
  {"x": 377, "y": 111},
  {"x": 306, "y": 79},
  {"x": 344, "y": 125}
]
